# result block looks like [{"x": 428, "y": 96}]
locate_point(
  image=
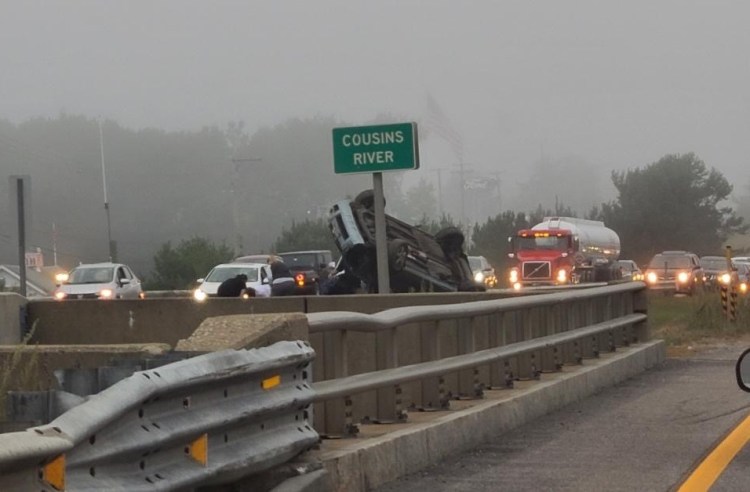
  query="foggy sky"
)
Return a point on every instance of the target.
[{"x": 618, "y": 84}]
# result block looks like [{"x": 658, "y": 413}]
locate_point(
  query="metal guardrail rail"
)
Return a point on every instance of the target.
[
  {"x": 458, "y": 350},
  {"x": 207, "y": 420}
]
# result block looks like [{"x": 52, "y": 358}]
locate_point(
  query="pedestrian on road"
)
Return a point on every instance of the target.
[
  {"x": 233, "y": 287},
  {"x": 283, "y": 282}
]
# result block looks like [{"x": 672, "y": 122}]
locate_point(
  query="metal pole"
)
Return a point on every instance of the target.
[
  {"x": 106, "y": 201},
  {"x": 381, "y": 240},
  {"x": 21, "y": 237}
]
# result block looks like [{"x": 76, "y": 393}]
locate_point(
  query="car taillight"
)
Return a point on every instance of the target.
[{"x": 300, "y": 279}]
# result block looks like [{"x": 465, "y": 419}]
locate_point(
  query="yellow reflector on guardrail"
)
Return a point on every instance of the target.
[
  {"x": 271, "y": 382},
  {"x": 199, "y": 449},
  {"x": 54, "y": 473}
]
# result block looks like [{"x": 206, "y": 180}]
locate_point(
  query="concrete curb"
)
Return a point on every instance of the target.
[{"x": 367, "y": 463}]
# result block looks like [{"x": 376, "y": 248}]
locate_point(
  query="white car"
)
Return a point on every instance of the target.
[
  {"x": 99, "y": 281},
  {"x": 258, "y": 278}
]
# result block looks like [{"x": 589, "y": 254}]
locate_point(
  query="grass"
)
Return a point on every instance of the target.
[
  {"x": 687, "y": 321},
  {"x": 19, "y": 371}
]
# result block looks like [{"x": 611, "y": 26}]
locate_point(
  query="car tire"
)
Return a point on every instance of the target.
[
  {"x": 451, "y": 241},
  {"x": 398, "y": 250},
  {"x": 366, "y": 199}
]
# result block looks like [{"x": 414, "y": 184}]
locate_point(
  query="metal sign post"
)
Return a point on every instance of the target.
[{"x": 381, "y": 240}]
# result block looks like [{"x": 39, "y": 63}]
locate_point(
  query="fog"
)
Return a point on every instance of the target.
[{"x": 520, "y": 86}]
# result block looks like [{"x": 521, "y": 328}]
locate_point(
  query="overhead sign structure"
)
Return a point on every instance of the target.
[{"x": 374, "y": 149}]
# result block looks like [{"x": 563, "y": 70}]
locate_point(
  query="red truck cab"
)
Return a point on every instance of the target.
[{"x": 543, "y": 257}]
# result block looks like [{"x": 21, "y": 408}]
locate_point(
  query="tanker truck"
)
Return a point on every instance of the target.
[{"x": 564, "y": 250}]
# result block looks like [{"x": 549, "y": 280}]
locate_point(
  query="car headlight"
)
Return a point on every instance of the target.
[
  {"x": 683, "y": 277},
  {"x": 652, "y": 277},
  {"x": 105, "y": 294},
  {"x": 479, "y": 277},
  {"x": 562, "y": 276},
  {"x": 726, "y": 278},
  {"x": 513, "y": 276},
  {"x": 199, "y": 295},
  {"x": 517, "y": 286},
  {"x": 60, "y": 295}
]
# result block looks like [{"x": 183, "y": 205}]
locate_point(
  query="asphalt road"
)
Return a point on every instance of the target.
[{"x": 646, "y": 434}]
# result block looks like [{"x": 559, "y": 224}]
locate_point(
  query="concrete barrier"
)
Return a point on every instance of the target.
[
  {"x": 167, "y": 320},
  {"x": 139, "y": 321}
]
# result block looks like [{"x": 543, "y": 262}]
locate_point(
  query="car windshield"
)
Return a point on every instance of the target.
[
  {"x": 475, "y": 262},
  {"x": 91, "y": 275},
  {"x": 547, "y": 242},
  {"x": 224, "y": 273},
  {"x": 627, "y": 266},
  {"x": 714, "y": 263},
  {"x": 302, "y": 260},
  {"x": 670, "y": 262}
]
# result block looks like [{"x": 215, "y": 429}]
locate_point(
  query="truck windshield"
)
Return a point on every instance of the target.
[{"x": 549, "y": 242}]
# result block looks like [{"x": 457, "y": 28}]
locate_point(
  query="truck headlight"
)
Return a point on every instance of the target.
[
  {"x": 562, "y": 276},
  {"x": 60, "y": 295},
  {"x": 513, "y": 276}
]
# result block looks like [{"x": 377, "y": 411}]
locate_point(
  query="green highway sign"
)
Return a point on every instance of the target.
[{"x": 374, "y": 149}]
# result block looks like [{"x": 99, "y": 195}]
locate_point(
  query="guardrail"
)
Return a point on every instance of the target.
[
  {"x": 207, "y": 420},
  {"x": 423, "y": 356}
]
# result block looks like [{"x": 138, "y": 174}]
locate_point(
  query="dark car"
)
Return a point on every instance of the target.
[
  {"x": 308, "y": 268},
  {"x": 675, "y": 270},
  {"x": 713, "y": 269},
  {"x": 418, "y": 261}
]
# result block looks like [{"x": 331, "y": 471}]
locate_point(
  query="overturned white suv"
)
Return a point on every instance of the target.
[{"x": 418, "y": 261}]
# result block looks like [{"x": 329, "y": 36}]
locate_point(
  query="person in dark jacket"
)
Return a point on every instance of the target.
[
  {"x": 233, "y": 287},
  {"x": 283, "y": 281}
]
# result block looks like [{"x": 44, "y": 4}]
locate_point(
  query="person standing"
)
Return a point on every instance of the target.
[{"x": 283, "y": 282}]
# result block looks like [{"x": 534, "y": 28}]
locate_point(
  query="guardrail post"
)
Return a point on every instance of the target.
[
  {"x": 529, "y": 365},
  {"x": 551, "y": 360},
  {"x": 501, "y": 375},
  {"x": 432, "y": 397},
  {"x": 387, "y": 353},
  {"x": 337, "y": 414},
  {"x": 468, "y": 380},
  {"x": 590, "y": 345},
  {"x": 641, "y": 331}
]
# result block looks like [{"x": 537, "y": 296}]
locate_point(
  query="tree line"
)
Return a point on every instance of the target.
[{"x": 675, "y": 203}]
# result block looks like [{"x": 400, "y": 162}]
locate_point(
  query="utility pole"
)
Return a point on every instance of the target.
[
  {"x": 441, "y": 211},
  {"x": 235, "y": 206},
  {"x": 112, "y": 254}
]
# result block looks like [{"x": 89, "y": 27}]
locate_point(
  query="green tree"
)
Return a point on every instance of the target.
[
  {"x": 305, "y": 235},
  {"x": 178, "y": 268},
  {"x": 675, "y": 203}
]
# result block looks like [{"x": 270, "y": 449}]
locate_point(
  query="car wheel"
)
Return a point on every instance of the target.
[
  {"x": 366, "y": 199},
  {"x": 398, "y": 251},
  {"x": 451, "y": 241}
]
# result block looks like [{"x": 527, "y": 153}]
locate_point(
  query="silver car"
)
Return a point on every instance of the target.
[{"x": 99, "y": 281}]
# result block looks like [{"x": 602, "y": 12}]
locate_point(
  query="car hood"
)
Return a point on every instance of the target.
[
  {"x": 210, "y": 288},
  {"x": 85, "y": 288}
]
